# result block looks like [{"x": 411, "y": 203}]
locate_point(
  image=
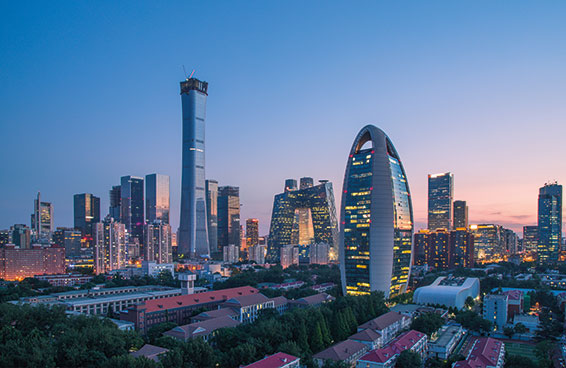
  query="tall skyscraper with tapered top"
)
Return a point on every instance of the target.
[
  {"x": 193, "y": 239},
  {"x": 376, "y": 236}
]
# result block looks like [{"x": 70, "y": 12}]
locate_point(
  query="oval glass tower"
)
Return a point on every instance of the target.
[{"x": 376, "y": 233}]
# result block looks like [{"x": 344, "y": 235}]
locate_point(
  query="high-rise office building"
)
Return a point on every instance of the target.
[
  {"x": 306, "y": 182},
  {"x": 231, "y": 253},
  {"x": 21, "y": 236},
  {"x": 421, "y": 247},
  {"x": 510, "y": 239},
  {"x": 5, "y": 237},
  {"x": 157, "y": 242},
  {"x": 440, "y": 198},
  {"x": 115, "y": 201},
  {"x": 530, "y": 238},
  {"x": 461, "y": 248},
  {"x": 460, "y": 215},
  {"x": 157, "y": 198},
  {"x": 86, "y": 212},
  {"x": 42, "y": 218},
  {"x": 549, "y": 223},
  {"x": 376, "y": 235},
  {"x": 288, "y": 255},
  {"x": 228, "y": 216},
  {"x": 193, "y": 232},
  {"x": 318, "y": 253},
  {"x": 489, "y": 242},
  {"x": 70, "y": 239},
  {"x": 132, "y": 205},
  {"x": 109, "y": 246},
  {"x": 252, "y": 232},
  {"x": 303, "y": 216},
  {"x": 212, "y": 215},
  {"x": 256, "y": 254}
]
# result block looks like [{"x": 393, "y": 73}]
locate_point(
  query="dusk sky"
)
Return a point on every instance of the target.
[{"x": 89, "y": 92}]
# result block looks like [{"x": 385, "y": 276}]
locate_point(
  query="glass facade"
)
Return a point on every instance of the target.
[
  {"x": 376, "y": 238},
  {"x": 212, "y": 214},
  {"x": 549, "y": 223},
  {"x": 193, "y": 226},
  {"x": 86, "y": 212},
  {"x": 132, "y": 206},
  {"x": 460, "y": 215},
  {"x": 489, "y": 242},
  {"x": 157, "y": 198},
  {"x": 440, "y": 197},
  {"x": 115, "y": 200},
  {"x": 530, "y": 238},
  {"x": 228, "y": 216},
  {"x": 303, "y": 216}
]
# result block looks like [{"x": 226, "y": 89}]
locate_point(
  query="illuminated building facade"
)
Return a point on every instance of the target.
[
  {"x": 157, "y": 242},
  {"x": 460, "y": 215},
  {"x": 229, "y": 216},
  {"x": 212, "y": 215},
  {"x": 132, "y": 206},
  {"x": 549, "y": 223},
  {"x": 461, "y": 248},
  {"x": 42, "y": 218},
  {"x": 109, "y": 246},
  {"x": 193, "y": 228},
  {"x": 440, "y": 198},
  {"x": 157, "y": 198},
  {"x": 421, "y": 247},
  {"x": 289, "y": 255},
  {"x": 70, "y": 239},
  {"x": 530, "y": 238},
  {"x": 376, "y": 236},
  {"x": 20, "y": 236},
  {"x": 489, "y": 242},
  {"x": 303, "y": 216},
  {"x": 86, "y": 212},
  {"x": 17, "y": 264},
  {"x": 252, "y": 232}
]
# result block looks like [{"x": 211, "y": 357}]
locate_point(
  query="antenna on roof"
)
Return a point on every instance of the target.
[{"x": 185, "y": 72}]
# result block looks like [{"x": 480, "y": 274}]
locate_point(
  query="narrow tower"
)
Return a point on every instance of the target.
[{"x": 193, "y": 233}]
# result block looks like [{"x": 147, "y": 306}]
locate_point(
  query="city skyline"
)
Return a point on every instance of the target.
[{"x": 471, "y": 96}]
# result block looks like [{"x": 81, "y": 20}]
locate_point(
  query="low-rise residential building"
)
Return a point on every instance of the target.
[
  {"x": 348, "y": 351},
  {"x": 495, "y": 309},
  {"x": 531, "y": 322},
  {"x": 448, "y": 291},
  {"x": 248, "y": 307},
  {"x": 204, "y": 329},
  {"x": 554, "y": 280},
  {"x": 277, "y": 360},
  {"x": 281, "y": 304},
  {"x": 514, "y": 302},
  {"x": 485, "y": 352},
  {"x": 369, "y": 337},
  {"x": 386, "y": 357},
  {"x": 150, "y": 352},
  {"x": 388, "y": 325},
  {"x": 288, "y": 285},
  {"x": 323, "y": 287},
  {"x": 65, "y": 279},
  {"x": 215, "y": 313},
  {"x": 179, "y": 309},
  {"x": 311, "y": 301},
  {"x": 447, "y": 338}
]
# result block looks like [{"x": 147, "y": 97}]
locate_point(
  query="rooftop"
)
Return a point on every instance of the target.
[
  {"x": 150, "y": 351},
  {"x": 365, "y": 335},
  {"x": 341, "y": 351},
  {"x": 247, "y": 300},
  {"x": 403, "y": 342},
  {"x": 276, "y": 360},
  {"x": 314, "y": 299},
  {"x": 203, "y": 327},
  {"x": 383, "y": 321},
  {"x": 485, "y": 352}
]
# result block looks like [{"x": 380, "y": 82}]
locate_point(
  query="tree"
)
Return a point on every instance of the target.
[
  {"x": 155, "y": 331},
  {"x": 472, "y": 321},
  {"x": 427, "y": 323},
  {"x": 520, "y": 328},
  {"x": 469, "y": 302},
  {"x": 515, "y": 361},
  {"x": 508, "y": 331},
  {"x": 408, "y": 359}
]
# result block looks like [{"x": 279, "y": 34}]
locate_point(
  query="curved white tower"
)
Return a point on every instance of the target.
[{"x": 376, "y": 217}]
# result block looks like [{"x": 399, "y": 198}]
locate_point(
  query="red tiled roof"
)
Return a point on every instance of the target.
[
  {"x": 273, "y": 361},
  {"x": 383, "y": 321},
  {"x": 403, "y": 342},
  {"x": 513, "y": 294},
  {"x": 196, "y": 299},
  {"x": 485, "y": 352}
]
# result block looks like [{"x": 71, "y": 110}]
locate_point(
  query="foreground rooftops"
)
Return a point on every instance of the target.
[
  {"x": 277, "y": 360},
  {"x": 150, "y": 351},
  {"x": 383, "y": 321},
  {"x": 485, "y": 352},
  {"x": 216, "y": 296},
  {"x": 247, "y": 300},
  {"x": 341, "y": 351},
  {"x": 202, "y": 328},
  {"x": 402, "y": 343}
]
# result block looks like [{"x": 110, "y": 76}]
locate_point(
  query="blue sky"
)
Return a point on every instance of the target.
[{"x": 89, "y": 91}]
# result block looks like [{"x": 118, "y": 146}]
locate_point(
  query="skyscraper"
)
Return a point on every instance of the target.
[
  {"x": 228, "y": 216},
  {"x": 157, "y": 242},
  {"x": 489, "y": 242},
  {"x": 212, "y": 215},
  {"x": 131, "y": 205},
  {"x": 303, "y": 216},
  {"x": 193, "y": 232},
  {"x": 157, "y": 198},
  {"x": 461, "y": 248},
  {"x": 440, "y": 198},
  {"x": 530, "y": 238},
  {"x": 376, "y": 235},
  {"x": 110, "y": 245},
  {"x": 115, "y": 200},
  {"x": 252, "y": 232},
  {"x": 460, "y": 215},
  {"x": 86, "y": 212},
  {"x": 70, "y": 239},
  {"x": 549, "y": 223},
  {"x": 42, "y": 218}
]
